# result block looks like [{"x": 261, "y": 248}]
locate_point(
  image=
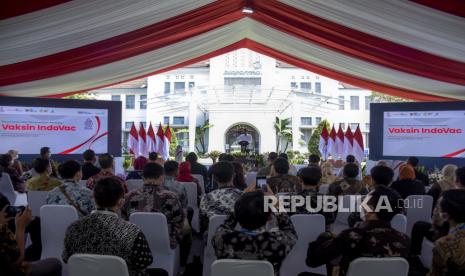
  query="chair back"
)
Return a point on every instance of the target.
[
  {"x": 201, "y": 183},
  {"x": 342, "y": 217},
  {"x": 96, "y": 265},
  {"x": 418, "y": 208},
  {"x": 399, "y": 223},
  {"x": 209, "y": 253},
  {"x": 35, "y": 200},
  {"x": 155, "y": 228},
  {"x": 426, "y": 256},
  {"x": 54, "y": 220},
  {"x": 250, "y": 178},
  {"x": 378, "y": 266},
  {"x": 134, "y": 184},
  {"x": 192, "y": 199},
  {"x": 228, "y": 267},
  {"x": 323, "y": 189},
  {"x": 7, "y": 189},
  {"x": 308, "y": 227}
]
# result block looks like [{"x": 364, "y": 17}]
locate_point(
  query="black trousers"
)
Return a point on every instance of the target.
[
  {"x": 423, "y": 229},
  {"x": 33, "y": 251}
]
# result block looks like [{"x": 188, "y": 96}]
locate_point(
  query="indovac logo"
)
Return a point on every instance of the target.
[{"x": 88, "y": 124}]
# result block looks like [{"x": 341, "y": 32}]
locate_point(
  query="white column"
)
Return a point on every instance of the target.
[
  {"x": 295, "y": 122},
  {"x": 192, "y": 120}
]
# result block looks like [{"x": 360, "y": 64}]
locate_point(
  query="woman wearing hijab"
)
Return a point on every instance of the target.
[
  {"x": 186, "y": 176},
  {"x": 407, "y": 184},
  {"x": 446, "y": 183}
]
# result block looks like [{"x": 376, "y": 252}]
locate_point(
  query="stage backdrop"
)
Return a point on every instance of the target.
[
  {"x": 68, "y": 127},
  {"x": 434, "y": 132}
]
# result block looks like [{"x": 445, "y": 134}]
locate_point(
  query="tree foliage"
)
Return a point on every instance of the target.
[
  {"x": 81, "y": 96},
  {"x": 377, "y": 97},
  {"x": 283, "y": 131},
  {"x": 315, "y": 138},
  {"x": 200, "y": 132}
]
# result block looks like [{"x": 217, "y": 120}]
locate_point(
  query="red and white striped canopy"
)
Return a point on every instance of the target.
[{"x": 413, "y": 49}]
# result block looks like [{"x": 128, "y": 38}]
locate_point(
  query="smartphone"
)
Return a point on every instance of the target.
[
  {"x": 261, "y": 183},
  {"x": 12, "y": 211}
]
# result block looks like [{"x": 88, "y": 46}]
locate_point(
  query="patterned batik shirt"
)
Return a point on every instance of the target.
[
  {"x": 92, "y": 180},
  {"x": 80, "y": 195},
  {"x": 272, "y": 246},
  {"x": 284, "y": 183},
  {"x": 371, "y": 239},
  {"x": 311, "y": 200},
  {"x": 347, "y": 186},
  {"x": 103, "y": 233},
  {"x": 42, "y": 182},
  {"x": 155, "y": 198},
  {"x": 9, "y": 254},
  {"x": 217, "y": 202},
  {"x": 174, "y": 186},
  {"x": 449, "y": 255}
]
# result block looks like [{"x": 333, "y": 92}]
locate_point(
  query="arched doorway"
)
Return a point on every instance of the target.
[{"x": 242, "y": 137}]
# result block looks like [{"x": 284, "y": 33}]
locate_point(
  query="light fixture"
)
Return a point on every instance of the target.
[{"x": 247, "y": 10}]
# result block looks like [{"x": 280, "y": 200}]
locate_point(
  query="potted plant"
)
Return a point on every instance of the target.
[{"x": 214, "y": 155}]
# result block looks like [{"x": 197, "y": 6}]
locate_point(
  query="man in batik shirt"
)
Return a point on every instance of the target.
[
  {"x": 281, "y": 181},
  {"x": 107, "y": 165},
  {"x": 220, "y": 201}
]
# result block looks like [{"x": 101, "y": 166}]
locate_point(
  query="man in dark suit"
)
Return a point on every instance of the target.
[{"x": 422, "y": 177}]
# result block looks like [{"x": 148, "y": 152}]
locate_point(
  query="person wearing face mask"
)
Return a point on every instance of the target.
[
  {"x": 6, "y": 166},
  {"x": 43, "y": 181},
  {"x": 16, "y": 163},
  {"x": 104, "y": 233},
  {"x": 70, "y": 192},
  {"x": 373, "y": 237},
  {"x": 449, "y": 251}
]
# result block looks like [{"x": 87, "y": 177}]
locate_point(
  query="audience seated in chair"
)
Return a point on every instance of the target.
[
  {"x": 350, "y": 184},
  {"x": 196, "y": 167},
  {"x": 16, "y": 163},
  {"x": 138, "y": 166},
  {"x": 292, "y": 168},
  {"x": 407, "y": 184},
  {"x": 153, "y": 197},
  {"x": 70, "y": 192},
  {"x": 420, "y": 176},
  {"x": 12, "y": 244},
  {"x": 107, "y": 165},
  {"x": 42, "y": 181},
  {"x": 266, "y": 171},
  {"x": 327, "y": 173},
  {"x": 171, "y": 184},
  {"x": 374, "y": 237},
  {"x": 6, "y": 166},
  {"x": 314, "y": 160},
  {"x": 220, "y": 201},
  {"x": 281, "y": 181},
  {"x": 185, "y": 175},
  {"x": 103, "y": 232},
  {"x": 447, "y": 182},
  {"x": 449, "y": 251},
  {"x": 239, "y": 176},
  {"x": 253, "y": 241},
  {"x": 88, "y": 168}
]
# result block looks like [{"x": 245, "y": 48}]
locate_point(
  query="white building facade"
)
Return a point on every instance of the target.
[{"x": 241, "y": 93}]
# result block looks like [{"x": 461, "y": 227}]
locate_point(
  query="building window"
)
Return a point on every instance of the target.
[
  {"x": 130, "y": 101},
  {"x": 341, "y": 102},
  {"x": 166, "y": 120},
  {"x": 306, "y": 121},
  {"x": 242, "y": 81},
  {"x": 143, "y": 101},
  {"x": 294, "y": 85},
  {"x": 306, "y": 86},
  {"x": 191, "y": 84},
  {"x": 178, "y": 120},
  {"x": 116, "y": 98},
  {"x": 367, "y": 102},
  {"x": 354, "y": 103},
  {"x": 317, "y": 120},
  {"x": 128, "y": 125},
  {"x": 353, "y": 126},
  {"x": 179, "y": 86},
  {"x": 367, "y": 127},
  {"x": 318, "y": 87},
  {"x": 167, "y": 87}
]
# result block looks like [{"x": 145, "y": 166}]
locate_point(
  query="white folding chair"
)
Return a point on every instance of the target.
[
  {"x": 426, "y": 256},
  {"x": 308, "y": 227},
  {"x": 134, "y": 184},
  {"x": 155, "y": 228},
  {"x": 399, "y": 223},
  {"x": 54, "y": 220},
  {"x": 201, "y": 183},
  {"x": 228, "y": 267},
  {"x": 191, "y": 189},
  {"x": 7, "y": 189},
  {"x": 378, "y": 266},
  {"x": 341, "y": 222},
  {"x": 323, "y": 189},
  {"x": 96, "y": 265},
  {"x": 250, "y": 178},
  {"x": 418, "y": 208},
  {"x": 35, "y": 200},
  {"x": 209, "y": 253}
]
